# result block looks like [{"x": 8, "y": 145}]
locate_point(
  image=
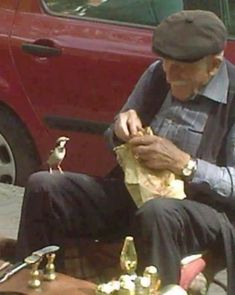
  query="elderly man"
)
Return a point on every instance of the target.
[{"x": 194, "y": 138}]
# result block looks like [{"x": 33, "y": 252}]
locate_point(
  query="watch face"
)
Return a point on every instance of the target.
[
  {"x": 187, "y": 171},
  {"x": 190, "y": 168}
]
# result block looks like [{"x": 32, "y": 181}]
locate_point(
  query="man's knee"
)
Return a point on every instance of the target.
[
  {"x": 158, "y": 207},
  {"x": 46, "y": 185},
  {"x": 44, "y": 181},
  {"x": 159, "y": 212},
  {"x": 38, "y": 180}
]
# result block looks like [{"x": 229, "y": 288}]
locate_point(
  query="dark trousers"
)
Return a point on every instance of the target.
[{"x": 165, "y": 230}]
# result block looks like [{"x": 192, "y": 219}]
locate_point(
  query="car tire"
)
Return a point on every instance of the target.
[{"x": 18, "y": 155}]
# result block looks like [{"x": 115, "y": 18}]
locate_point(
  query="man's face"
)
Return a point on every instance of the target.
[{"x": 186, "y": 78}]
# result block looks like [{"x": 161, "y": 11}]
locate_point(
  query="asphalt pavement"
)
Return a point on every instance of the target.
[{"x": 10, "y": 205}]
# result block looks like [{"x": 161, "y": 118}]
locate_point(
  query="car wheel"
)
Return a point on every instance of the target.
[{"x": 18, "y": 156}]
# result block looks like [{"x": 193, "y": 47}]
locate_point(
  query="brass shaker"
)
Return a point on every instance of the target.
[
  {"x": 35, "y": 281},
  {"x": 50, "y": 274},
  {"x": 151, "y": 273}
]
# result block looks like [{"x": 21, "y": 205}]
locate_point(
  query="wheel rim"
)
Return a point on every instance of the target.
[{"x": 7, "y": 162}]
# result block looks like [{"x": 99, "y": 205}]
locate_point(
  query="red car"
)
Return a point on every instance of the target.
[{"x": 66, "y": 67}]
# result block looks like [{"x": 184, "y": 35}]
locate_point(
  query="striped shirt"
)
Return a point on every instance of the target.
[{"x": 183, "y": 123}]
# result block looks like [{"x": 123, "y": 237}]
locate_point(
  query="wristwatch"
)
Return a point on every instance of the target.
[{"x": 189, "y": 170}]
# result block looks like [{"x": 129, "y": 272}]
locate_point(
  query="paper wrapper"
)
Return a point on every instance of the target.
[{"x": 143, "y": 183}]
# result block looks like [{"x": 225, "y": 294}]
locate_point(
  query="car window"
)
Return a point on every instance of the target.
[
  {"x": 225, "y": 9},
  {"x": 145, "y": 12}
]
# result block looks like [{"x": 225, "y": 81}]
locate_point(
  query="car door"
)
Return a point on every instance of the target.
[{"x": 77, "y": 72}]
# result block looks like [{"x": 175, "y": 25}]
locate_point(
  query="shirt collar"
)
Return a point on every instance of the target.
[{"x": 217, "y": 87}]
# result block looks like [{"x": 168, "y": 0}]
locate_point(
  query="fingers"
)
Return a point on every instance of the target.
[
  {"x": 142, "y": 152},
  {"x": 122, "y": 130},
  {"x": 135, "y": 126},
  {"x": 127, "y": 125},
  {"x": 144, "y": 140},
  {"x": 145, "y": 147}
]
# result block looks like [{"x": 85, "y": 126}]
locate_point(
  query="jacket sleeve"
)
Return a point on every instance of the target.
[{"x": 215, "y": 179}]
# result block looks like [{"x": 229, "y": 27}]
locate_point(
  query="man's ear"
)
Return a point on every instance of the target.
[{"x": 215, "y": 62}]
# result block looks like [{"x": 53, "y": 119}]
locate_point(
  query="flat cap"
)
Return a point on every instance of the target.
[{"x": 189, "y": 35}]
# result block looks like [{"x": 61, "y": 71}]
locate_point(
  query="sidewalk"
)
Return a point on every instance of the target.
[{"x": 10, "y": 206}]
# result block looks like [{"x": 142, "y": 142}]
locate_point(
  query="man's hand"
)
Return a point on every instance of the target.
[
  {"x": 159, "y": 153},
  {"x": 127, "y": 125}
]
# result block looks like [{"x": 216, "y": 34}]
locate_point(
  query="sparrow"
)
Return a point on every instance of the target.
[{"x": 57, "y": 154}]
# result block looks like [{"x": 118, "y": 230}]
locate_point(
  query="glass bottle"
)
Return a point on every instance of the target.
[{"x": 128, "y": 257}]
